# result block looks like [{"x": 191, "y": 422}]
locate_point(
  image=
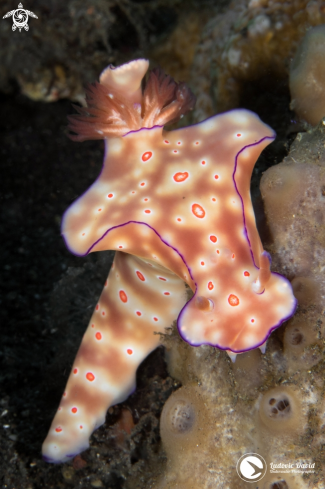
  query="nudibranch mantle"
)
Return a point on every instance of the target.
[
  {"x": 190, "y": 187},
  {"x": 176, "y": 207}
]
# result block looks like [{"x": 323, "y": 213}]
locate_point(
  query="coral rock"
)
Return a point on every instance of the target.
[{"x": 307, "y": 77}]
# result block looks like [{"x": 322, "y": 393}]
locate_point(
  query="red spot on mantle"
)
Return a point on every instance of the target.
[
  {"x": 213, "y": 238},
  {"x": 123, "y": 296},
  {"x": 198, "y": 211},
  {"x": 140, "y": 276},
  {"x": 180, "y": 176},
  {"x": 146, "y": 156},
  {"x": 129, "y": 351},
  {"x": 210, "y": 286},
  {"x": 90, "y": 376},
  {"x": 233, "y": 300}
]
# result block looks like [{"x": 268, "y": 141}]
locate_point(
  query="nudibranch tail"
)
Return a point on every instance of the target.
[
  {"x": 119, "y": 337},
  {"x": 116, "y": 105}
]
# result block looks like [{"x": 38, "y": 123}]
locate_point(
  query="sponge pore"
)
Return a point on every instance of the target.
[
  {"x": 278, "y": 408},
  {"x": 181, "y": 417},
  {"x": 302, "y": 346},
  {"x": 280, "y": 411}
]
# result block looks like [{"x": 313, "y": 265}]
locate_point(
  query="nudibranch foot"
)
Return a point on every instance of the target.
[
  {"x": 120, "y": 335},
  {"x": 232, "y": 355},
  {"x": 262, "y": 347}
]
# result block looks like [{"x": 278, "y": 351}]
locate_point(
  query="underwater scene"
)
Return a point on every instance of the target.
[{"x": 162, "y": 321}]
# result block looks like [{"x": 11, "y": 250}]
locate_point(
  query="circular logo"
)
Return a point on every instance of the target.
[
  {"x": 20, "y": 18},
  {"x": 251, "y": 467}
]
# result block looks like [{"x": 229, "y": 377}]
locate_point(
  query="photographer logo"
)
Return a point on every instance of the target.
[
  {"x": 251, "y": 467},
  {"x": 20, "y": 18}
]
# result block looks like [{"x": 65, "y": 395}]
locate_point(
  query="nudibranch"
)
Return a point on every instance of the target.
[{"x": 176, "y": 207}]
